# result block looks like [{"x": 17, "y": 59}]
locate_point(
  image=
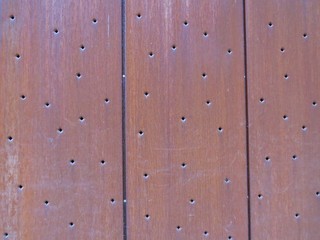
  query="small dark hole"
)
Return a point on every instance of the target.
[
  {"x": 147, "y": 216},
  {"x": 186, "y": 23},
  {"x": 23, "y": 97},
  {"x": 151, "y": 54},
  {"x": 174, "y": 47},
  {"x": 146, "y": 94},
  {"x": 141, "y": 133},
  {"x": 297, "y": 215},
  {"x": 304, "y": 128},
  {"x": 305, "y": 35},
  {"x": 204, "y": 75},
  {"x": 294, "y": 157},
  {"x": 145, "y": 175},
  {"x": 205, "y": 233},
  {"x": 46, "y": 202},
  {"x": 267, "y": 158},
  {"x": 18, "y": 56},
  {"x": 220, "y": 129},
  {"x": 20, "y": 187},
  {"x": 60, "y": 130},
  {"x": 94, "y": 20},
  {"x": 71, "y": 224},
  {"x": 6, "y": 235},
  {"x": 261, "y": 100},
  {"x": 208, "y": 102},
  {"x": 139, "y": 15},
  {"x": 260, "y": 196},
  {"x": 12, "y": 17},
  {"x": 107, "y": 100},
  {"x": 286, "y": 76},
  {"x": 47, "y": 104},
  {"x": 227, "y": 180},
  {"x": 72, "y": 162},
  {"x": 318, "y": 194},
  {"x": 112, "y": 200},
  {"x": 10, "y": 139},
  {"x": 285, "y": 117},
  {"x": 229, "y": 51},
  {"x": 56, "y": 31},
  {"x": 314, "y": 103},
  {"x": 270, "y": 24},
  {"x": 81, "y": 119},
  {"x": 183, "y": 119},
  {"x": 282, "y": 49},
  {"x": 82, "y": 47},
  {"x": 229, "y": 237},
  {"x": 183, "y": 165},
  {"x": 103, "y": 162},
  {"x": 205, "y": 34},
  {"x": 78, "y": 75},
  {"x": 192, "y": 201}
]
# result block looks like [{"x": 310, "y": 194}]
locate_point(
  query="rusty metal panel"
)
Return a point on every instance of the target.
[
  {"x": 186, "y": 121},
  {"x": 283, "y": 77},
  {"x": 60, "y": 120}
]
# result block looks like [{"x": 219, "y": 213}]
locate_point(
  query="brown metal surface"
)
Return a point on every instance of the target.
[
  {"x": 283, "y": 76},
  {"x": 53, "y": 184},
  {"x": 186, "y": 177}
]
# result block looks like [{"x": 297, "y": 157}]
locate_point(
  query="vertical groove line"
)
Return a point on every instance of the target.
[
  {"x": 123, "y": 94},
  {"x": 247, "y": 117}
]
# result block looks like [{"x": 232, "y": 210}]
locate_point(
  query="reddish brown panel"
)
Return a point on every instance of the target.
[
  {"x": 186, "y": 124},
  {"x": 283, "y": 76},
  {"x": 60, "y": 120}
]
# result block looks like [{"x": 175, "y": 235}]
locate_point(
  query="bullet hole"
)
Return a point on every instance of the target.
[
  {"x": 60, "y": 130},
  {"x": 20, "y": 187},
  {"x": 260, "y": 196},
  {"x": 285, "y": 117},
  {"x": 304, "y": 128},
  {"x": 103, "y": 162},
  {"x": 220, "y": 129},
  {"x": 147, "y": 216},
  {"x": 23, "y": 97},
  {"x": 270, "y": 24},
  {"x": 106, "y": 100},
  {"x": 230, "y": 238},
  {"x": 282, "y": 49},
  {"x": 267, "y": 158},
  {"x": 297, "y": 215},
  {"x": 47, "y": 105},
  {"x": 94, "y": 20},
  {"x": 183, "y": 165},
  {"x": 46, "y": 202},
  {"x": 294, "y": 157},
  {"x": 141, "y": 133},
  {"x": 185, "y": 23},
  {"x": 179, "y": 228},
  {"x": 192, "y": 201},
  {"x": 145, "y": 175},
  {"x": 139, "y": 15},
  {"x": 112, "y": 200},
  {"x": 174, "y": 47},
  {"x": 205, "y": 34},
  {"x": 71, "y": 224},
  {"x": 82, "y": 48},
  {"x": 305, "y": 35},
  {"x": 6, "y": 235},
  {"x": 10, "y": 139},
  {"x": 72, "y": 161},
  {"x": 227, "y": 180},
  {"x": 261, "y": 100},
  {"x": 204, "y": 75},
  {"x": 12, "y": 17},
  {"x": 208, "y": 102},
  {"x": 318, "y": 194},
  {"x": 286, "y": 76},
  {"x": 229, "y": 51},
  {"x": 146, "y": 94},
  {"x": 206, "y": 233},
  {"x": 81, "y": 119},
  {"x": 314, "y": 103},
  {"x": 78, "y": 75},
  {"x": 18, "y": 56},
  {"x": 183, "y": 119},
  {"x": 55, "y": 31},
  {"x": 151, "y": 54}
]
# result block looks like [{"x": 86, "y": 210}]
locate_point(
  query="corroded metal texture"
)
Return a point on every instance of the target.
[
  {"x": 186, "y": 132},
  {"x": 283, "y": 79},
  {"x": 60, "y": 120}
]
